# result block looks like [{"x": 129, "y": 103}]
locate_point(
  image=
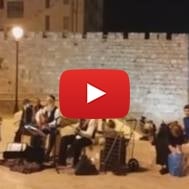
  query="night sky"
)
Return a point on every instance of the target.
[{"x": 146, "y": 16}]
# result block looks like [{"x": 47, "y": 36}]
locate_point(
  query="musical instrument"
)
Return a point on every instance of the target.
[
  {"x": 63, "y": 122},
  {"x": 34, "y": 131},
  {"x": 68, "y": 130},
  {"x": 67, "y": 126}
]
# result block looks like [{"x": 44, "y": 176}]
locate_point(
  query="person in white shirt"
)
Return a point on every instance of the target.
[
  {"x": 84, "y": 134},
  {"x": 50, "y": 114}
]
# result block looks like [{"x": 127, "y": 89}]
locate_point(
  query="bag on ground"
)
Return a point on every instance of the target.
[
  {"x": 175, "y": 164},
  {"x": 85, "y": 167}
]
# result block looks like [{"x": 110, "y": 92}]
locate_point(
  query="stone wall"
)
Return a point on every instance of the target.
[{"x": 158, "y": 68}]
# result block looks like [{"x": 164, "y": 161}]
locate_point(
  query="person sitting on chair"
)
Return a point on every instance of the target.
[
  {"x": 26, "y": 119},
  {"x": 48, "y": 117},
  {"x": 85, "y": 132},
  {"x": 37, "y": 105}
]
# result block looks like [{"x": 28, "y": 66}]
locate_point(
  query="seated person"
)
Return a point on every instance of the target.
[
  {"x": 26, "y": 119},
  {"x": 85, "y": 132},
  {"x": 111, "y": 125},
  {"x": 102, "y": 126},
  {"x": 37, "y": 106},
  {"x": 36, "y": 129},
  {"x": 186, "y": 122},
  {"x": 47, "y": 119},
  {"x": 41, "y": 119}
]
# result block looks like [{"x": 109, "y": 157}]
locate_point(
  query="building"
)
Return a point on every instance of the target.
[
  {"x": 43, "y": 15},
  {"x": 93, "y": 17}
]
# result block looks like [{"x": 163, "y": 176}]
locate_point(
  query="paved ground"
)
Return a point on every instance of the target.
[{"x": 49, "y": 179}]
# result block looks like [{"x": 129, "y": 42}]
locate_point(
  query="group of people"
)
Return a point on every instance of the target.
[
  {"x": 170, "y": 139},
  {"x": 167, "y": 139},
  {"x": 47, "y": 118},
  {"x": 40, "y": 116}
]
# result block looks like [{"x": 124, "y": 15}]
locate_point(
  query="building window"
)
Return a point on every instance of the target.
[
  {"x": 66, "y": 2},
  {"x": 47, "y": 4},
  {"x": 1, "y": 4},
  {"x": 47, "y": 23},
  {"x": 15, "y": 9},
  {"x": 66, "y": 23}
]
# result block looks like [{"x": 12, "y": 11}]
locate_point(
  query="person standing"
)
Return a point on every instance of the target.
[
  {"x": 161, "y": 142},
  {"x": 186, "y": 122}
]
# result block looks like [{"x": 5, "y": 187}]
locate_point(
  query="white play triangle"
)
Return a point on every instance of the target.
[{"x": 93, "y": 93}]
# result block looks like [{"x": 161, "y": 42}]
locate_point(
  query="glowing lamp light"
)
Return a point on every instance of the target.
[{"x": 17, "y": 32}]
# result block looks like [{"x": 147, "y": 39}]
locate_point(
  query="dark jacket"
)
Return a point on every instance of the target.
[
  {"x": 186, "y": 126},
  {"x": 26, "y": 119},
  {"x": 161, "y": 145}
]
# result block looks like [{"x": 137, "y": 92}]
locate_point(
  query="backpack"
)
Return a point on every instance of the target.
[{"x": 85, "y": 167}]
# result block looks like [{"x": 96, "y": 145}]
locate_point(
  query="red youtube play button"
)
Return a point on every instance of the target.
[{"x": 94, "y": 93}]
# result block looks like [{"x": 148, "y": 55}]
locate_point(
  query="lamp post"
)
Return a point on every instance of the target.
[{"x": 17, "y": 33}]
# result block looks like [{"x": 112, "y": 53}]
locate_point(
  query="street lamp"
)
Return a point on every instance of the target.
[{"x": 17, "y": 33}]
